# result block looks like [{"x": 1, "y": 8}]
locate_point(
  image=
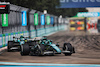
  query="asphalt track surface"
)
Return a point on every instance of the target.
[{"x": 87, "y": 47}]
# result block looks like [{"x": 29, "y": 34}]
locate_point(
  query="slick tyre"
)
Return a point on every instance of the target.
[
  {"x": 10, "y": 45},
  {"x": 25, "y": 49},
  {"x": 68, "y": 47}
]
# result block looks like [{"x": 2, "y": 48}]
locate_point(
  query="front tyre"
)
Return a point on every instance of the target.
[
  {"x": 25, "y": 49},
  {"x": 68, "y": 47}
]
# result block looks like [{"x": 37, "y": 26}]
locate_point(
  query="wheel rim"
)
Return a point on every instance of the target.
[{"x": 66, "y": 47}]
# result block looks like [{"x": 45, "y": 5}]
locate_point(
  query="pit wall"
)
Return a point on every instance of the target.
[{"x": 4, "y": 38}]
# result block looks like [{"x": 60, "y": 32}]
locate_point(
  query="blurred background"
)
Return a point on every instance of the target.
[{"x": 71, "y": 22}]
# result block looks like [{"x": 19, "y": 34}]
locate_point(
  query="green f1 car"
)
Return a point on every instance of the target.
[
  {"x": 44, "y": 46},
  {"x": 15, "y": 44}
]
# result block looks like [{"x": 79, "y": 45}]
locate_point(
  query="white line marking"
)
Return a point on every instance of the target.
[{"x": 46, "y": 64}]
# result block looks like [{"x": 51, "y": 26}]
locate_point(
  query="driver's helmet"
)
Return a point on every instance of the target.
[
  {"x": 44, "y": 38},
  {"x": 21, "y": 37}
]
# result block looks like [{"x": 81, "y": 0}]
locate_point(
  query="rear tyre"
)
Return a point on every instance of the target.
[
  {"x": 68, "y": 47},
  {"x": 25, "y": 50},
  {"x": 10, "y": 45}
]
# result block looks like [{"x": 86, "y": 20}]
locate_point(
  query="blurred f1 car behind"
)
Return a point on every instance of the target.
[
  {"x": 43, "y": 46},
  {"x": 15, "y": 44}
]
